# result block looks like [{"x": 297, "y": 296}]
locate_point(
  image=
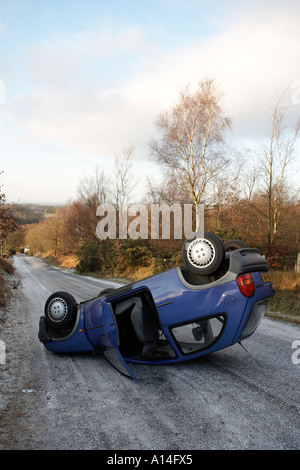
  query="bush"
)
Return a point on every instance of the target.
[
  {"x": 96, "y": 257},
  {"x": 2, "y": 293},
  {"x": 89, "y": 259},
  {"x": 114, "y": 256},
  {"x": 9, "y": 269},
  {"x": 6, "y": 266},
  {"x": 166, "y": 261},
  {"x": 132, "y": 257}
]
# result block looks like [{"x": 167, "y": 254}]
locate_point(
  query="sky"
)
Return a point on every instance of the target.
[{"x": 80, "y": 80}]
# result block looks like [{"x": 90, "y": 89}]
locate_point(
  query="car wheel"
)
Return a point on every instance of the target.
[
  {"x": 108, "y": 290},
  {"x": 60, "y": 309},
  {"x": 231, "y": 245},
  {"x": 203, "y": 255}
]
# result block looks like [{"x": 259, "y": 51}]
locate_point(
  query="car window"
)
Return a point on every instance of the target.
[{"x": 200, "y": 334}]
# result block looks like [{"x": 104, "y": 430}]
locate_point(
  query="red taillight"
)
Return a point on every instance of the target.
[{"x": 246, "y": 285}]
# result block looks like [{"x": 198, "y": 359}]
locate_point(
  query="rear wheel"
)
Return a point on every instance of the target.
[
  {"x": 60, "y": 309},
  {"x": 203, "y": 255},
  {"x": 109, "y": 290},
  {"x": 231, "y": 245}
]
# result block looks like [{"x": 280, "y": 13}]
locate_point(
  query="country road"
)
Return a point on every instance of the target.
[{"x": 228, "y": 400}]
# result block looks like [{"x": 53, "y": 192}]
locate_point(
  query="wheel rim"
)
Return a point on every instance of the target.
[
  {"x": 57, "y": 309},
  {"x": 201, "y": 253}
]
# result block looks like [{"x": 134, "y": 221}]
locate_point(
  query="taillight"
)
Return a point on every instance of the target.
[{"x": 246, "y": 285}]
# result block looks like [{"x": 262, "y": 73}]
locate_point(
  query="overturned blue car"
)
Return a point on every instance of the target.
[{"x": 216, "y": 298}]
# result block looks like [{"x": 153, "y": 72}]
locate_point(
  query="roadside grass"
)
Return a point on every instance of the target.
[
  {"x": 2, "y": 292},
  {"x": 284, "y": 306},
  {"x": 6, "y": 268},
  {"x": 68, "y": 262},
  {"x": 286, "y": 303}
]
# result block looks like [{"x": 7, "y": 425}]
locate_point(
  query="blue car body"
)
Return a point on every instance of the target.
[{"x": 169, "y": 317}]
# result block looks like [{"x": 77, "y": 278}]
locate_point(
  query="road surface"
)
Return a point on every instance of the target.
[{"x": 227, "y": 400}]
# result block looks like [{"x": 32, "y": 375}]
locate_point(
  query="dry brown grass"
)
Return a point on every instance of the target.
[
  {"x": 2, "y": 293},
  {"x": 6, "y": 266},
  {"x": 286, "y": 303},
  {"x": 286, "y": 280},
  {"x": 62, "y": 261}
]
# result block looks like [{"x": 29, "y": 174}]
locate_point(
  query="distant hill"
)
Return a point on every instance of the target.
[{"x": 33, "y": 213}]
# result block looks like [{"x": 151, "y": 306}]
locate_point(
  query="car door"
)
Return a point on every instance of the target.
[{"x": 111, "y": 342}]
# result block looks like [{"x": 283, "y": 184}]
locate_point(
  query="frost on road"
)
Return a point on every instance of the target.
[{"x": 228, "y": 400}]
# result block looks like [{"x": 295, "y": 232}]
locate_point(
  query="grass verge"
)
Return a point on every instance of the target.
[
  {"x": 6, "y": 268},
  {"x": 286, "y": 303},
  {"x": 284, "y": 306}
]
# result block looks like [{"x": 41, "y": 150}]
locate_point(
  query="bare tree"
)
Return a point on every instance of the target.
[
  {"x": 94, "y": 190},
  {"x": 8, "y": 222},
  {"x": 226, "y": 192},
  {"x": 54, "y": 230},
  {"x": 275, "y": 157},
  {"x": 168, "y": 191},
  {"x": 101, "y": 188},
  {"x": 191, "y": 139},
  {"x": 124, "y": 181}
]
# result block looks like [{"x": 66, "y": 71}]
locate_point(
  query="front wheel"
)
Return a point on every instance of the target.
[
  {"x": 60, "y": 309},
  {"x": 203, "y": 255}
]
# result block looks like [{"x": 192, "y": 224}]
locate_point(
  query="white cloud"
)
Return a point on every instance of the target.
[
  {"x": 252, "y": 59},
  {"x": 72, "y": 110},
  {"x": 64, "y": 58}
]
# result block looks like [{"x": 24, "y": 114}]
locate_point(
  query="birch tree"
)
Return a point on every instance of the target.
[
  {"x": 275, "y": 157},
  {"x": 190, "y": 143},
  {"x": 123, "y": 179}
]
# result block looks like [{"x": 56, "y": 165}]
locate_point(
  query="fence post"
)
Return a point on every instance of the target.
[
  {"x": 2, "y": 352},
  {"x": 298, "y": 264}
]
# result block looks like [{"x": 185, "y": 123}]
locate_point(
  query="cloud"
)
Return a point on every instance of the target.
[
  {"x": 252, "y": 56},
  {"x": 66, "y": 58}
]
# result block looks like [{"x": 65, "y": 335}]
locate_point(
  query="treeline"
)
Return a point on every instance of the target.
[
  {"x": 246, "y": 194},
  {"x": 69, "y": 236},
  {"x": 32, "y": 213}
]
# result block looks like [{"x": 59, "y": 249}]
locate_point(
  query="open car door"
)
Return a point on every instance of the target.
[{"x": 111, "y": 343}]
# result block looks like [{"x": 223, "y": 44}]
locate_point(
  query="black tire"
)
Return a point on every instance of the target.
[
  {"x": 231, "y": 245},
  {"x": 203, "y": 255},
  {"x": 60, "y": 310},
  {"x": 106, "y": 291}
]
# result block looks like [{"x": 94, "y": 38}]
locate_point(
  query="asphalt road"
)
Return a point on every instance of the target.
[{"x": 227, "y": 400}]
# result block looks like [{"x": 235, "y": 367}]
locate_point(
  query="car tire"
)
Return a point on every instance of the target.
[
  {"x": 203, "y": 255},
  {"x": 60, "y": 310},
  {"x": 231, "y": 245},
  {"x": 106, "y": 291}
]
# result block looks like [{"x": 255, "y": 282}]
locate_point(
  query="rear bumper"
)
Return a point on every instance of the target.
[{"x": 256, "y": 315}]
